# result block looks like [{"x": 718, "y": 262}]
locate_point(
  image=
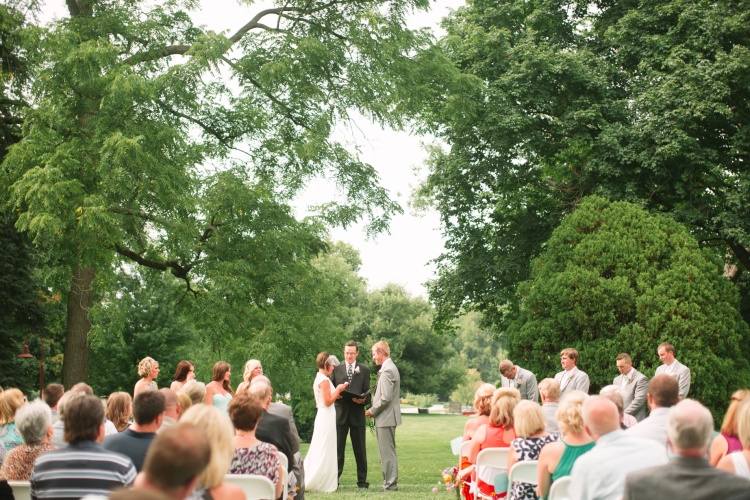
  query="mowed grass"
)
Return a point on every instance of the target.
[{"x": 423, "y": 449}]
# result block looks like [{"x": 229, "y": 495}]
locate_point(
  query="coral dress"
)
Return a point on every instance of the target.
[{"x": 494, "y": 438}]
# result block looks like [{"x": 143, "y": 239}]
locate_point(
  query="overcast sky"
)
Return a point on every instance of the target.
[{"x": 402, "y": 256}]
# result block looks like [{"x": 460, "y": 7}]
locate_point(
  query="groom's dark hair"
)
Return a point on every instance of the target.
[{"x": 352, "y": 343}]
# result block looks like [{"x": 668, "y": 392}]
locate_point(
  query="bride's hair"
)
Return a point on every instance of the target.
[{"x": 322, "y": 360}]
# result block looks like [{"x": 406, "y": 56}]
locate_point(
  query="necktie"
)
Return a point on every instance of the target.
[{"x": 349, "y": 373}]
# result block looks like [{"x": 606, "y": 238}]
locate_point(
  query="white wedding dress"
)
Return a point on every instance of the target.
[{"x": 321, "y": 464}]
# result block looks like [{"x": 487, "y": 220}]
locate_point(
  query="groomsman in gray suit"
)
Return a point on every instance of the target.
[
  {"x": 672, "y": 367},
  {"x": 517, "y": 378},
  {"x": 633, "y": 387},
  {"x": 386, "y": 410},
  {"x": 571, "y": 378}
]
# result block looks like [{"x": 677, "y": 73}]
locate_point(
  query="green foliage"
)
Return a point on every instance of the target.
[
  {"x": 464, "y": 393},
  {"x": 551, "y": 101},
  {"x": 613, "y": 279},
  {"x": 477, "y": 348},
  {"x": 420, "y": 400}
]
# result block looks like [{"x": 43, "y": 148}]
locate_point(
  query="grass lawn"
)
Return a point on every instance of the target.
[{"x": 423, "y": 449}]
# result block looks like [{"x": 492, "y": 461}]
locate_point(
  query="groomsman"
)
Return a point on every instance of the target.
[
  {"x": 672, "y": 367},
  {"x": 350, "y": 412},
  {"x": 571, "y": 378},
  {"x": 386, "y": 410},
  {"x": 633, "y": 386},
  {"x": 517, "y": 378}
]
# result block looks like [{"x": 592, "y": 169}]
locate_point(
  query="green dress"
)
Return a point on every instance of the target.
[{"x": 568, "y": 458}]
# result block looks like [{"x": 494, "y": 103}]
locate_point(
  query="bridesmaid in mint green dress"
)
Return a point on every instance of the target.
[{"x": 218, "y": 392}]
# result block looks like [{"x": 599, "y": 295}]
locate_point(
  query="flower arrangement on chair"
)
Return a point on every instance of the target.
[{"x": 451, "y": 481}]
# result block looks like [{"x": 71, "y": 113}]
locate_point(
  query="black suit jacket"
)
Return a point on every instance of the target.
[
  {"x": 275, "y": 430},
  {"x": 347, "y": 411}
]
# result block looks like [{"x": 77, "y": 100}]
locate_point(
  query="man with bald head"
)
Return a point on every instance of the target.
[
  {"x": 600, "y": 473},
  {"x": 271, "y": 428},
  {"x": 690, "y": 429}
]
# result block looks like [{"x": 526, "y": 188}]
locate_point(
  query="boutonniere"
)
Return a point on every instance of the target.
[
  {"x": 356, "y": 370},
  {"x": 518, "y": 381}
]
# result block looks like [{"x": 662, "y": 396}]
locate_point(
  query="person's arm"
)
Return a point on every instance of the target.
[
  {"x": 330, "y": 397},
  {"x": 582, "y": 382},
  {"x": 512, "y": 459},
  {"x": 684, "y": 381},
  {"x": 387, "y": 392},
  {"x": 639, "y": 396},
  {"x": 543, "y": 473},
  {"x": 209, "y": 395},
  {"x": 476, "y": 443},
  {"x": 719, "y": 449},
  {"x": 365, "y": 372},
  {"x": 727, "y": 464},
  {"x": 533, "y": 389}
]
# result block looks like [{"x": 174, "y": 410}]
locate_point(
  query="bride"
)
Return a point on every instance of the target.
[{"x": 321, "y": 465}]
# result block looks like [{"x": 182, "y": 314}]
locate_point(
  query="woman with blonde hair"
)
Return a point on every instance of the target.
[
  {"x": 196, "y": 391},
  {"x": 219, "y": 431},
  {"x": 33, "y": 423},
  {"x": 185, "y": 401},
  {"x": 739, "y": 463},
  {"x": 557, "y": 458},
  {"x": 498, "y": 433},
  {"x": 119, "y": 409},
  {"x": 218, "y": 392},
  {"x": 10, "y": 401},
  {"x": 728, "y": 440},
  {"x": 148, "y": 369},
  {"x": 253, "y": 368},
  {"x": 483, "y": 406},
  {"x": 530, "y": 426}
]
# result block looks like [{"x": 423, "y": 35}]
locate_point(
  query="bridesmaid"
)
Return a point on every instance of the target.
[
  {"x": 148, "y": 369},
  {"x": 185, "y": 373},
  {"x": 218, "y": 392},
  {"x": 253, "y": 368}
]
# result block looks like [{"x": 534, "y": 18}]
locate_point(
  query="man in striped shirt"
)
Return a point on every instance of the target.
[{"x": 84, "y": 467}]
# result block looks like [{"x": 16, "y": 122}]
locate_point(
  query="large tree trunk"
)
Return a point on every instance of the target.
[{"x": 76, "y": 354}]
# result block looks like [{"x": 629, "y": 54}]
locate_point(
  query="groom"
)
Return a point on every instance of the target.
[
  {"x": 350, "y": 413},
  {"x": 386, "y": 410}
]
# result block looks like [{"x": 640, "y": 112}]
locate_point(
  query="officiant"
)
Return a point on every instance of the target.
[{"x": 350, "y": 410}]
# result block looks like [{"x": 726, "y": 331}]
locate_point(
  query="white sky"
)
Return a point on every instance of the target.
[{"x": 403, "y": 255}]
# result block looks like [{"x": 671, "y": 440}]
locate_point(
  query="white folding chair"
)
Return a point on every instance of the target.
[
  {"x": 21, "y": 489},
  {"x": 559, "y": 489},
  {"x": 255, "y": 487},
  {"x": 284, "y": 473},
  {"x": 490, "y": 463},
  {"x": 523, "y": 472},
  {"x": 463, "y": 452}
]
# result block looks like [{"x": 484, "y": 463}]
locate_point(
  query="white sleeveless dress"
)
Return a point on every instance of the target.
[{"x": 321, "y": 464}]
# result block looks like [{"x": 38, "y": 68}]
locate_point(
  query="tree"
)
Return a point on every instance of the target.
[
  {"x": 477, "y": 347},
  {"x": 613, "y": 279},
  {"x": 551, "y": 101},
  {"x": 155, "y": 142}
]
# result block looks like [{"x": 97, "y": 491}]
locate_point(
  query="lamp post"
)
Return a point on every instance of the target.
[{"x": 26, "y": 354}]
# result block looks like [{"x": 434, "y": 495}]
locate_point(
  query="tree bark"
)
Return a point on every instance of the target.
[{"x": 76, "y": 353}]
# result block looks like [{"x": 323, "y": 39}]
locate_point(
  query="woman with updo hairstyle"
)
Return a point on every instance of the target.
[
  {"x": 251, "y": 455},
  {"x": 218, "y": 429},
  {"x": 728, "y": 440},
  {"x": 148, "y": 369},
  {"x": 483, "y": 406},
  {"x": 185, "y": 373},
  {"x": 119, "y": 409},
  {"x": 11, "y": 400},
  {"x": 557, "y": 458},
  {"x": 218, "y": 392},
  {"x": 253, "y": 368},
  {"x": 498, "y": 433},
  {"x": 33, "y": 423}
]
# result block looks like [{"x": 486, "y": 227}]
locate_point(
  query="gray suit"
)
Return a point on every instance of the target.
[
  {"x": 525, "y": 382},
  {"x": 681, "y": 373},
  {"x": 386, "y": 409},
  {"x": 686, "y": 478},
  {"x": 634, "y": 394},
  {"x": 282, "y": 410},
  {"x": 579, "y": 382}
]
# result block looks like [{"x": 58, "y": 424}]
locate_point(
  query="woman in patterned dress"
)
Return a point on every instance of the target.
[
  {"x": 529, "y": 423},
  {"x": 148, "y": 369},
  {"x": 33, "y": 423},
  {"x": 252, "y": 456}
]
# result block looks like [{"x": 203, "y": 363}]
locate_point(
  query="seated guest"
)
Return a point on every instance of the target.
[
  {"x": 739, "y": 463},
  {"x": 218, "y": 429},
  {"x": 557, "y": 458},
  {"x": 185, "y": 402},
  {"x": 614, "y": 393},
  {"x": 58, "y": 428},
  {"x": 119, "y": 410},
  {"x": 272, "y": 428},
  {"x": 196, "y": 391},
  {"x": 174, "y": 462},
  {"x": 84, "y": 467},
  {"x": 133, "y": 442},
  {"x": 185, "y": 373},
  {"x": 688, "y": 474},
  {"x": 51, "y": 396},
  {"x": 728, "y": 440},
  {"x": 663, "y": 393},
  {"x": 10, "y": 402},
  {"x": 33, "y": 422},
  {"x": 252, "y": 456},
  {"x": 549, "y": 391},
  {"x": 483, "y": 406},
  {"x": 529, "y": 424},
  {"x": 498, "y": 433},
  {"x": 600, "y": 473},
  {"x": 172, "y": 409}
]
